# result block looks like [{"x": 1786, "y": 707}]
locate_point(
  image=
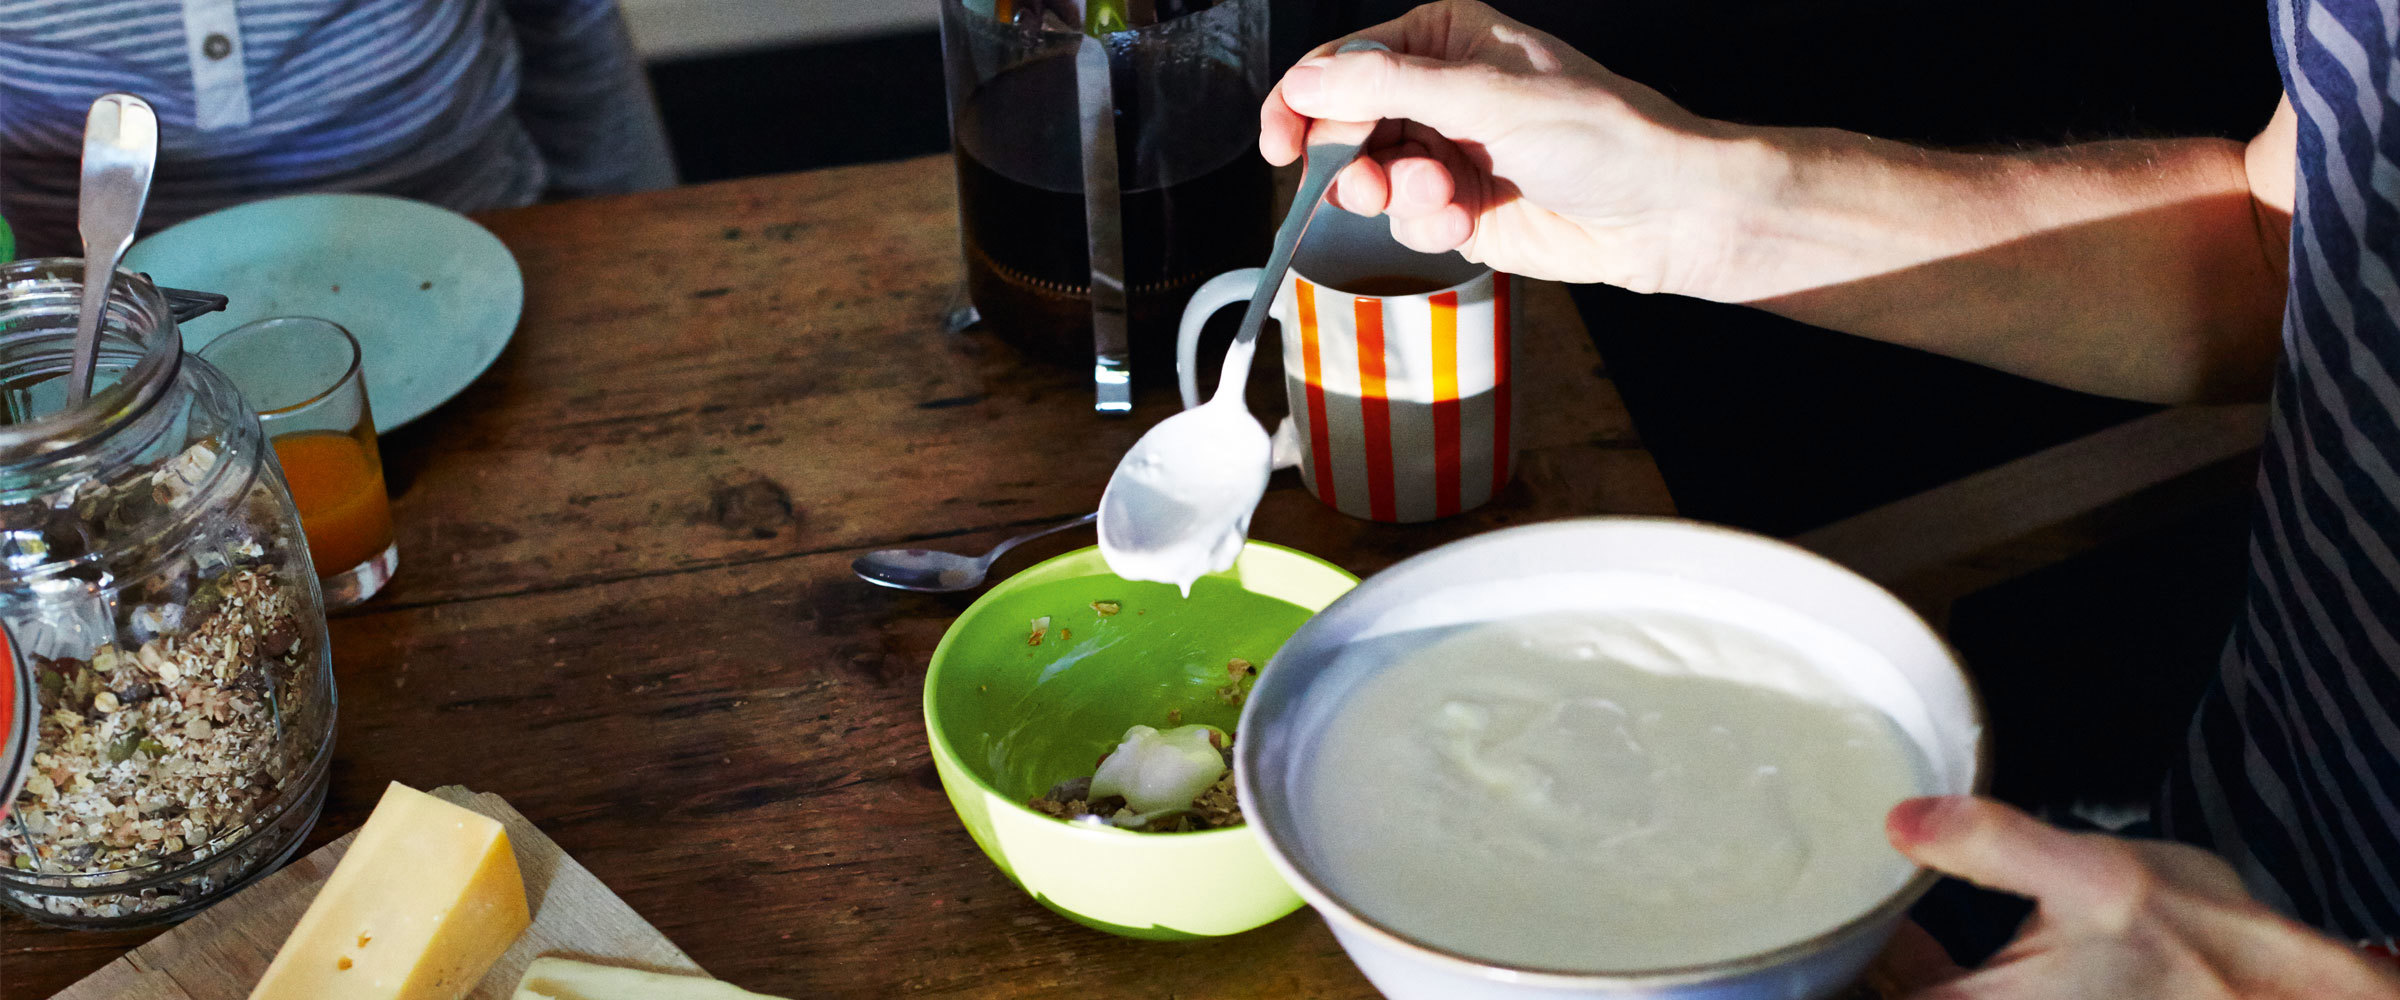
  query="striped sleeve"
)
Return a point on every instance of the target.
[{"x": 584, "y": 99}]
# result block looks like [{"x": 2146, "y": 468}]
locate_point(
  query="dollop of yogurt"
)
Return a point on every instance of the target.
[
  {"x": 1159, "y": 772},
  {"x": 1178, "y": 506}
]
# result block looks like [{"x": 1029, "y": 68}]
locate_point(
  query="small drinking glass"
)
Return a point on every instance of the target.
[{"x": 304, "y": 378}]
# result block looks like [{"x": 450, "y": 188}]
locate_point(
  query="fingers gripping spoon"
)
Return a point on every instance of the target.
[
  {"x": 1178, "y": 506},
  {"x": 120, "y": 151}
]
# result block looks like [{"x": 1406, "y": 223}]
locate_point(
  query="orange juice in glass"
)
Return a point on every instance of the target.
[{"x": 304, "y": 378}]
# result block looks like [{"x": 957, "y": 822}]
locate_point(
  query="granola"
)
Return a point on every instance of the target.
[
  {"x": 1214, "y": 808},
  {"x": 161, "y": 752},
  {"x": 146, "y": 754},
  {"x": 1239, "y": 676}
]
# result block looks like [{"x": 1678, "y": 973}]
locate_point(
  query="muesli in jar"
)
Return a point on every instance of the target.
[{"x": 191, "y": 726}]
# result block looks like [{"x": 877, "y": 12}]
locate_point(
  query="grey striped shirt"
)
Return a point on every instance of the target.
[
  {"x": 2293, "y": 768},
  {"x": 471, "y": 104}
]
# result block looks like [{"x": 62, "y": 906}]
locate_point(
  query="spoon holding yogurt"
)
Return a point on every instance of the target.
[{"x": 1178, "y": 506}]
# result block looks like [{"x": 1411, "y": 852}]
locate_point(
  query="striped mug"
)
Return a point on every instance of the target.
[{"x": 1398, "y": 366}]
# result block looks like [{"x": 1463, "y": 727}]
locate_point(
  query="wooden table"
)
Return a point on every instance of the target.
[{"x": 625, "y": 600}]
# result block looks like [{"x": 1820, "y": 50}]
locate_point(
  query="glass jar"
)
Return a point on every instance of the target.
[{"x": 155, "y": 580}]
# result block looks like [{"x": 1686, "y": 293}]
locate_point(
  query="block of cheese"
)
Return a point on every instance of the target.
[
  {"x": 563, "y": 979},
  {"x": 425, "y": 901}
]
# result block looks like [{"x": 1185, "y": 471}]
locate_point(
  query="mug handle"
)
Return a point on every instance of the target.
[{"x": 1221, "y": 291}]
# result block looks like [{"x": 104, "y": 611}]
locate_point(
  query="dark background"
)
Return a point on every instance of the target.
[{"x": 2089, "y": 669}]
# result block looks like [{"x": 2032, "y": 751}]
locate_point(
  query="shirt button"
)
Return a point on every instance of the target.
[{"x": 216, "y": 46}]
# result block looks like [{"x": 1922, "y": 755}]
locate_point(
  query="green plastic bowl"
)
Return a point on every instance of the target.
[{"x": 1007, "y": 720}]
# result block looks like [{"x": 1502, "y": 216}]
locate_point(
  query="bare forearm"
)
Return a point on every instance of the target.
[
  {"x": 2148, "y": 270},
  {"x": 2139, "y": 269}
]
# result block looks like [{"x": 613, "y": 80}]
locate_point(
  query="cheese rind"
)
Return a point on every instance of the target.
[
  {"x": 565, "y": 979},
  {"x": 427, "y": 898}
]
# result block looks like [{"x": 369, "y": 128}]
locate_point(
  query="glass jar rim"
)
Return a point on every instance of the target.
[
  {"x": 352, "y": 370},
  {"x": 110, "y": 406}
]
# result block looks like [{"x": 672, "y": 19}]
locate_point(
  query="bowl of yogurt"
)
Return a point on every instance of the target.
[{"x": 1612, "y": 757}]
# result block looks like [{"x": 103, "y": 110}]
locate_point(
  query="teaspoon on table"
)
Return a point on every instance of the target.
[
  {"x": 1178, "y": 505},
  {"x": 120, "y": 152},
  {"x": 935, "y": 572}
]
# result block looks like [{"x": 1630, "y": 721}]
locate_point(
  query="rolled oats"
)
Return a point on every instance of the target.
[{"x": 161, "y": 752}]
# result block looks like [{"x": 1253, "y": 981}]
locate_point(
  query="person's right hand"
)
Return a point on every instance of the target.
[
  {"x": 1519, "y": 152},
  {"x": 2118, "y": 920}
]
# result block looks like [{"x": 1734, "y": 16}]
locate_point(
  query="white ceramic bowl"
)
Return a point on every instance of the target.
[{"x": 1558, "y": 566}]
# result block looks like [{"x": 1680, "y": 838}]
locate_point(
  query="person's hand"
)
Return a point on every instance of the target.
[
  {"x": 1505, "y": 144},
  {"x": 2117, "y": 920}
]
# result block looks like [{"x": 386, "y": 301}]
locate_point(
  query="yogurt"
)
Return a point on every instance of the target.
[
  {"x": 1607, "y": 792},
  {"x": 1178, "y": 505}
]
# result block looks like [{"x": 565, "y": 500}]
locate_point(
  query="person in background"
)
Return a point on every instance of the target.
[
  {"x": 468, "y": 104},
  {"x": 2169, "y": 271}
]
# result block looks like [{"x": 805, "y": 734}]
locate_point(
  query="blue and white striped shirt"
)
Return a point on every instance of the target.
[
  {"x": 2293, "y": 768},
  {"x": 471, "y": 104}
]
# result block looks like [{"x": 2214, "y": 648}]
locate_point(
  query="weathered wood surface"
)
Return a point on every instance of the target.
[
  {"x": 625, "y": 605},
  {"x": 222, "y": 952}
]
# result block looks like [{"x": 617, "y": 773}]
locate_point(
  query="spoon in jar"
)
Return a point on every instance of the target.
[
  {"x": 1178, "y": 505},
  {"x": 935, "y": 572},
  {"x": 120, "y": 152}
]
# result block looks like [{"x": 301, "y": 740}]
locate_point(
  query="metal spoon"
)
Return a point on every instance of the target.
[
  {"x": 1178, "y": 505},
  {"x": 943, "y": 572},
  {"x": 120, "y": 151}
]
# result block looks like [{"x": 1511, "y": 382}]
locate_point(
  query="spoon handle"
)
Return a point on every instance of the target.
[
  {"x": 1002, "y": 549},
  {"x": 120, "y": 152},
  {"x": 98, "y": 273},
  {"x": 1323, "y": 161}
]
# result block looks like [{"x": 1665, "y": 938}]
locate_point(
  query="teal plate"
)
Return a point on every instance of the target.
[{"x": 431, "y": 296}]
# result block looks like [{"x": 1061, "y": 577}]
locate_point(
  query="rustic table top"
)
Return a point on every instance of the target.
[{"x": 625, "y": 601}]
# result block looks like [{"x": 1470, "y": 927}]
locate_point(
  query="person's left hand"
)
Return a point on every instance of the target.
[{"x": 2118, "y": 919}]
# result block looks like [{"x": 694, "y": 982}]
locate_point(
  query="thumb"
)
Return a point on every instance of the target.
[
  {"x": 1998, "y": 847},
  {"x": 1454, "y": 99}
]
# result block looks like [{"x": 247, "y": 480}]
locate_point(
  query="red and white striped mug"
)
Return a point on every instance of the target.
[{"x": 1399, "y": 367}]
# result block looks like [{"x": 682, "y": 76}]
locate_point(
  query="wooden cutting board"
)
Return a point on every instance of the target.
[{"x": 220, "y": 954}]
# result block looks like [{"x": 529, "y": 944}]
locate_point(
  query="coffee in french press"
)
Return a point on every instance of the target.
[{"x": 1193, "y": 197}]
